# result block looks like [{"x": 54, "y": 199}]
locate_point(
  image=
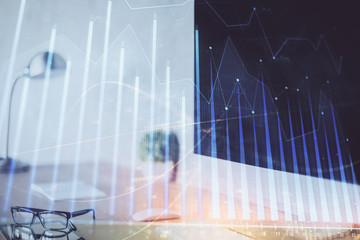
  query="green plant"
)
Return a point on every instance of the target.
[{"x": 159, "y": 148}]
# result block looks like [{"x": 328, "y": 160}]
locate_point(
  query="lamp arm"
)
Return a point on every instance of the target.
[{"x": 9, "y": 114}]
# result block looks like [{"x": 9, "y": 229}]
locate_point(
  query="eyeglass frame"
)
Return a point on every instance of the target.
[
  {"x": 37, "y": 212},
  {"x": 39, "y": 236}
]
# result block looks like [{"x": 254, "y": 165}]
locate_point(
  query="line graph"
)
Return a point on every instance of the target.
[
  {"x": 217, "y": 81},
  {"x": 234, "y": 90},
  {"x": 241, "y": 91},
  {"x": 243, "y": 115},
  {"x": 251, "y": 18},
  {"x": 233, "y": 81},
  {"x": 275, "y": 53},
  {"x": 238, "y": 85}
]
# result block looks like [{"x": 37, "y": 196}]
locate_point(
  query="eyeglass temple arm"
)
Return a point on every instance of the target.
[{"x": 82, "y": 212}]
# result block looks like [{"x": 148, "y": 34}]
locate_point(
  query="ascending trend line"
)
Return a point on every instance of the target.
[{"x": 277, "y": 52}]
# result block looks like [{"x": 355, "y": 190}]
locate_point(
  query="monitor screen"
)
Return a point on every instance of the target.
[{"x": 265, "y": 89}]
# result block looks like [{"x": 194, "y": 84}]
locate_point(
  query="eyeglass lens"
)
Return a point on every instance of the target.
[
  {"x": 23, "y": 217},
  {"x": 53, "y": 220},
  {"x": 48, "y": 219},
  {"x": 22, "y": 233}
]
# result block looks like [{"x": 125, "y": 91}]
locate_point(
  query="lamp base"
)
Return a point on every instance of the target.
[{"x": 10, "y": 165}]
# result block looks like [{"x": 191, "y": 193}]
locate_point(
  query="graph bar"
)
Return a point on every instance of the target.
[
  {"x": 133, "y": 149},
  {"x": 82, "y": 110},
  {"x": 335, "y": 198},
  {"x": 356, "y": 190},
  {"x": 284, "y": 177},
  {"x": 10, "y": 71},
  {"x": 101, "y": 102},
  {"x": 40, "y": 124},
  {"x": 348, "y": 212},
  {"x": 183, "y": 155},
  {"x": 167, "y": 150},
  {"x": 215, "y": 195},
  {"x": 310, "y": 189},
  {"x": 152, "y": 113},
  {"x": 117, "y": 131},
  {"x": 272, "y": 187},
  {"x": 259, "y": 188},
  {"x": 60, "y": 135},
  {"x": 299, "y": 199},
  {"x": 198, "y": 121},
  {"x": 324, "y": 205},
  {"x": 230, "y": 184},
  {"x": 244, "y": 183}
]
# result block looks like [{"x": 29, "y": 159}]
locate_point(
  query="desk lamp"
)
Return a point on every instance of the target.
[{"x": 37, "y": 68}]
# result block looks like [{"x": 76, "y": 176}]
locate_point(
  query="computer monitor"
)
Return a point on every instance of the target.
[{"x": 263, "y": 98}]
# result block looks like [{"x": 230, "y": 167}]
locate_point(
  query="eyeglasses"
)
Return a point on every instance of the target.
[
  {"x": 21, "y": 232},
  {"x": 52, "y": 220}
]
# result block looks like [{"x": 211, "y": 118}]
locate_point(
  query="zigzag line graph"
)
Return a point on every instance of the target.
[
  {"x": 217, "y": 79},
  {"x": 251, "y": 18},
  {"x": 275, "y": 53},
  {"x": 237, "y": 84},
  {"x": 226, "y": 103}
]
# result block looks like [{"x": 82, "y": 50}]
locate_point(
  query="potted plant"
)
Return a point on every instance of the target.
[{"x": 159, "y": 149}]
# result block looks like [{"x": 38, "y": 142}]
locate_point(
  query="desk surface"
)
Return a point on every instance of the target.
[
  {"x": 15, "y": 190},
  {"x": 196, "y": 230},
  {"x": 120, "y": 224},
  {"x": 19, "y": 193}
]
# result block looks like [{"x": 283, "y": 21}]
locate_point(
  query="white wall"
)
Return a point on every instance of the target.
[{"x": 131, "y": 27}]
